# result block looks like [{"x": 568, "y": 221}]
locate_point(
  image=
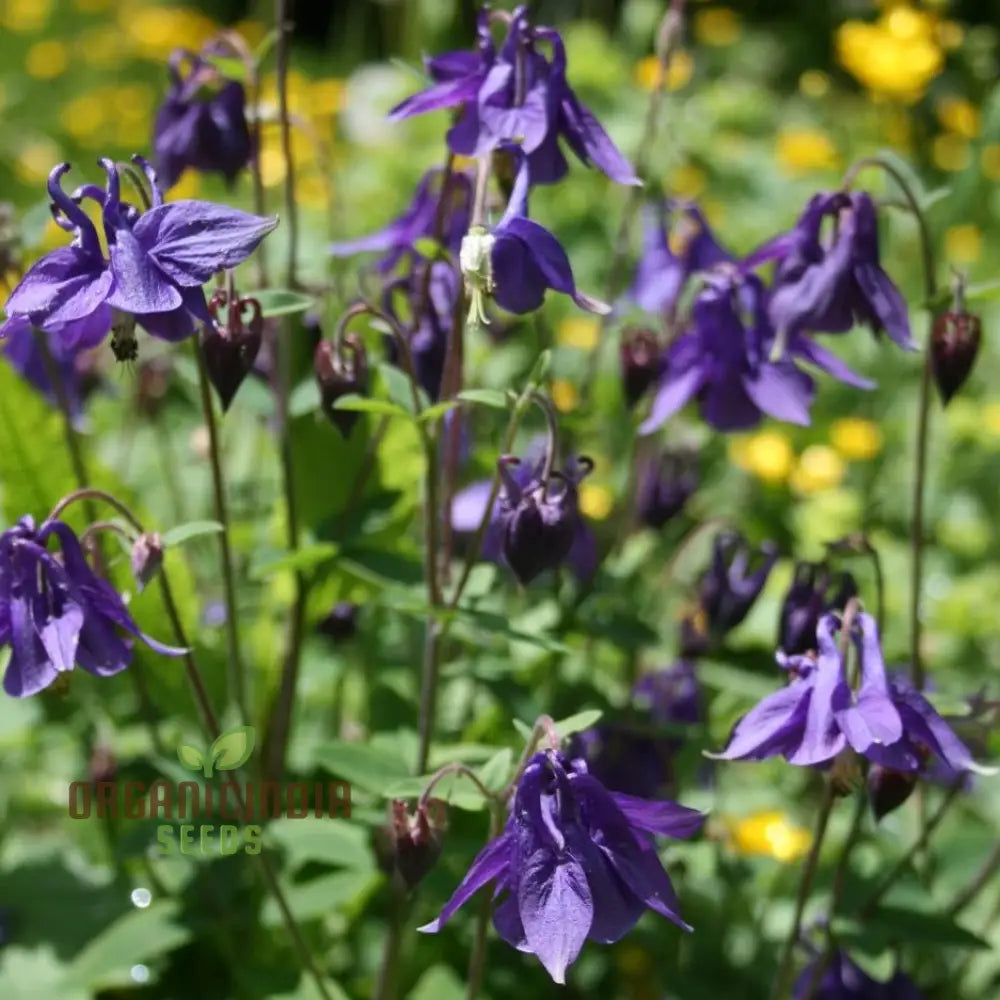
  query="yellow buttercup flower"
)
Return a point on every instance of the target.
[
  {"x": 25, "y": 16},
  {"x": 647, "y": 71},
  {"x": 814, "y": 83},
  {"x": 960, "y": 116},
  {"x": 35, "y": 159},
  {"x": 188, "y": 186},
  {"x": 595, "y": 501},
  {"x": 719, "y": 26},
  {"x": 687, "y": 181},
  {"x": 769, "y": 833},
  {"x": 805, "y": 150},
  {"x": 989, "y": 160},
  {"x": 963, "y": 244},
  {"x": 46, "y": 60},
  {"x": 580, "y": 332},
  {"x": 819, "y": 468},
  {"x": 564, "y": 395},
  {"x": 767, "y": 454},
  {"x": 155, "y": 31},
  {"x": 951, "y": 152},
  {"x": 84, "y": 117},
  {"x": 856, "y": 439}
]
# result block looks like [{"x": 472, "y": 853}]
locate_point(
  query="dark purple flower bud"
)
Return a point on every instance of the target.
[
  {"x": 103, "y": 763},
  {"x": 574, "y": 861},
  {"x": 146, "y": 558},
  {"x": 732, "y": 582},
  {"x": 813, "y": 593},
  {"x": 888, "y": 789},
  {"x": 341, "y": 373},
  {"x": 340, "y": 623},
  {"x": 202, "y": 123},
  {"x": 954, "y": 345},
  {"x": 665, "y": 484},
  {"x": 641, "y": 363},
  {"x": 843, "y": 980},
  {"x": 231, "y": 345},
  {"x": 409, "y": 846}
]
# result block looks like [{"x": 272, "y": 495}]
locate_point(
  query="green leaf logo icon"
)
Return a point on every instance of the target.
[
  {"x": 191, "y": 757},
  {"x": 232, "y": 749}
]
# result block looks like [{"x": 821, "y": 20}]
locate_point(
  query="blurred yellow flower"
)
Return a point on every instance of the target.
[
  {"x": 46, "y": 60},
  {"x": 719, "y": 26},
  {"x": 326, "y": 96},
  {"x": 84, "y": 117},
  {"x": 252, "y": 30},
  {"x": 595, "y": 501},
  {"x": 687, "y": 181},
  {"x": 814, "y": 83},
  {"x": 951, "y": 35},
  {"x": 805, "y": 150},
  {"x": 989, "y": 160},
  {"x": 767, "y": 454},
  {"x": 155, "y": 30},
  {"x": 819, "y": 468},
  {"x": 951, "y": 152},
  {"x": 564, "y": 395},
  {"x": 897, "y": 126},
  {"x": 897, "y": 56},
  {"x": 188, "y": 186},
  {"x": 580, "y": 332},
  {"x": 312, "y": 191},
  {"x": 963, "y": 244},
  {"x": 272, "y": 166},
  {"x": 769, "y": 833},
  {"x": 856, "y": 439},
  {"x": 991, "y": 417},
  {"x": 960, "y": 116},
  {"x": 647, "y": 71},
  {"x": 35, "y": 159},
  {"x": 25, "y": 16},
  {"x": 52, "y": 237}
]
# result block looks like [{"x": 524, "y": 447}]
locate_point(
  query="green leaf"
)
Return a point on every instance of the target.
[
  {"x": 984, "y": 291},
  {"x": 493, "y": 398},
  {"x": 370, "y": 768},
  {"x": 524, "y": 729},
  {"x": 233, "y": 748},
  {"x": 304, "y": 398},
  {"x": 495, "y": 772},
  {"x": 192, "y": 529},
  {"x": 890, "y": 925},
  {"x": 362, "y": 404},
  {"x": 430, "y": 248},
  {"x": 397, "y": 386},
  {"x": 437, "y": 410},
  {"x": 578, "y": 722},
  {"x": 439, "y": 982},
  {"x": 301, "y": 560},
  {"x": 229, "y": 66},
  {"x": 191, "y": 757},
  {"x": 280, "y": 302},
  {"x": 540, "y": 369},
  {"x": 341, "y": 843},
  {"x": 313, "y": 899},
  {"x": 265, "y": 45}
]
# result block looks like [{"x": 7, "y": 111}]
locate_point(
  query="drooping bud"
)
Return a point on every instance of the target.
[
  {"x": 340, "y": 374},
  {"x": 641, "y": 363},
  {"x": 955, "y": 339},
  {"x": 813, "y": 592},
  {"x": 888, "y": 789},
  {"x": 408, "y": 847},
  {"x": 230, "y": 348},
  {"x": 146, "y": 558},
  {"x": 665, "y": 484},
  {"x": 340, "y": 623}
]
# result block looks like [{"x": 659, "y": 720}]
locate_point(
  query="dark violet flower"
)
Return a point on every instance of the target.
[
  {"x": 843, "y": 980},
  {"x": 24, "y": 353},
  {"x": 818, "y": 714},
  {"x": 231, "y": 344},
  {"x": 340, "y": 370},
  {"x": 517, "y": 262},
  {"x": 56, "y": 613},
  {"x": 641, "y": 361},
  {"x": 664, "y": 485},
  {"x": 677, "y": 243},
  {"x": 408, "y": 846},
  {"x": 827, "y": 285},
  {"x": 724, "y": 361},
  {"x": 517, "y": 96},
  {"x": 158, "y": 262},
  {"x": 954, "y": 345},
  {"x": 814, "y": 591},
  {"x": 574, "y": 862},
  {"x": 202, "y": 123},
  {"x": 419, "y": 221},
  {"x": 340, "y": 622}
]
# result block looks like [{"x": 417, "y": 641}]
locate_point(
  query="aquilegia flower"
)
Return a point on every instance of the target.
[
  {"x": 818, "y": 714},
  {"x": 813, "y": 592},
  {"x": 517, "y": 262},
  {"x": 158, "y": 262},
  {"x": 535, "y": 524},
  {"x": 829, "y": 285},
  {"x": 843, "y": 980},
  {"x": 56, "y": 613},
  {"x": 574, "y": 862},
  {"x": 677, "y": 243},
  {"x": 517, "y": 96},
  {"x": 202, "y": 123},
  {"x": 419, "y": 221}
]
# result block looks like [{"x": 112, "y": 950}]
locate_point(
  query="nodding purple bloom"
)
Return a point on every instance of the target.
[
  {"x": 724, "y": 361},
  {"x": 574, "y": 862},
  {"x": 814, "y": 591},
  {"x": 818, "y": 715},
  {"x": 202, "y": 123},
  {"x": 677, "y": 243},
  {"x": 517, "y": 96},
  {"x": 158, "y": 262},
  {"x": 665, "y": 484},
  {"x": 827, "y": 285},
  {"x": 843, "y": 980},
  {"x": 517, "y": 262},
  {"x": 535, "y": 523},
  {"x": 727, "y": 591},
  {"x": 419, "y": 221},
  {"x": 56, "y": 613}
]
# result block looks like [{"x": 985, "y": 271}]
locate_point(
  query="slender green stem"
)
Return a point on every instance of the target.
[
  {"x": 982, "y": 878},
  {"x": 234, "y": 662},
  {"x": 399, "y": 912},
  {"x": 283, "y": 24}
]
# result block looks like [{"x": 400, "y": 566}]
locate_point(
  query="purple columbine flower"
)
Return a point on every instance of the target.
[
  {"x": 814, "y": 592},
  {"x": 56, "y": 613},
  {"x": 818, "y": 714},
  {"x": 574, "y": 862},
  {"x": 419, "y": 221},
  {"x": 517, "y": 262},
  {"x": 664, "y": 485},
  {"x": 536, "y": 523},
  {"x": 517, "y": 96},
  {"x": 677, "y": 243},
  {"x": 843, "y": 980},
  {"x": 827, "y": 285},
  {"x": 724, "y": 361},
  {"x": 202, "y": 123},
  {"x": 158, "y": 262}
]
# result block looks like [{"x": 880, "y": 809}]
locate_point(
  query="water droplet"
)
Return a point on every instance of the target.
[
  {"x": 139, "y": 974},
  {"x": 141, "y": 898}
]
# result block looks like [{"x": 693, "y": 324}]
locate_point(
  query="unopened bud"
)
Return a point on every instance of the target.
[
  {"x": 641, "y": 363},
  {"x": 408, "y": 846},
  {"x": 231, "y": 349},
  {"x": 955, "y": 341},
  {"x": 339, "y": 375},
  {"x": 147, "y": 557},
  {"x": 340, "y": 623},
  {"x": 888, "y": 789}
]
